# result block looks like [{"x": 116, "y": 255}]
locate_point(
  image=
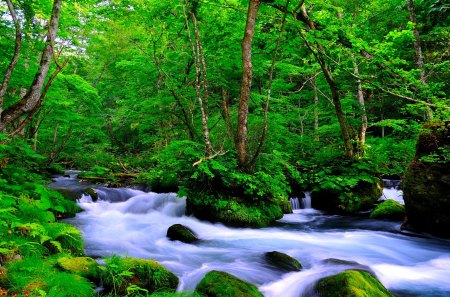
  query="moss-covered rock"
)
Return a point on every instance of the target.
[
  {"x": 426, "y": 184},
  {"x": 222, "y": 284},
  {"x": 389, "y": 209},
  {"x": 235, "y": 211},
  {"x": 82, "y": 266},
  {"x": 181, "y": 233},
  {"x": 282, "y": 261},
  {"x": 93, "y": 193},
  {"x": 351, "y": 283},
  {"x": 362, "y": 197},
  {"x": 146, "y": 274}
]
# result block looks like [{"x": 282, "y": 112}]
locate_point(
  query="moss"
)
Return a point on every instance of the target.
[
  {"x": 181, "y": 233},
  {"x": 91, "y": 192},
  {"x": 361, "y": 197},
  {"x": 221, "y": 284},
  {"x": 351, "y": 283},
  {"x": 234, "y": 211},
  {"x": 283, "y": 261},
  {"x": 146, "y": 274},
  {"x": 389, "y": 209},
  {"x": 83, "y": 266}
]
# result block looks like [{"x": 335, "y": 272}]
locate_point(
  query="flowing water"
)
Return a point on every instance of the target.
[{"x": 134, "y": 223}]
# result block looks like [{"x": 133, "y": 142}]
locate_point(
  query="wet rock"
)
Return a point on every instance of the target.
[
  {"x": 351, "y": 283},
  {"x": 389, "y": 209},
  {"x": 426, "y": 187},
  {"x": 83, "y": 266},
  {"x": 235, "y": 211},
  {"x": 222, "y": 284},
  {"x": 91, "y": 192},
  {"x": 367, "y": 195},
  {"x": 146, "y": 274},
  {"x": 353, "y": 265},
  {"x": 282, "y": 261},
  {"x": 181, "y": 233}
]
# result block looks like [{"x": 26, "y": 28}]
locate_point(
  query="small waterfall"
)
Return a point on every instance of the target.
[
  {"x": 301, "y": 203},
  {"x": 116, "y": 194},
  {"x": 295, "y": 203},
  {"x": 392, "y": 191},
  {"x": 306, "y": 201}
]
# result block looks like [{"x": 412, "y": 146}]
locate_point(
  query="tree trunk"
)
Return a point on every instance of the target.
[
  {"x": 15, "y": 58},
  {"x": 247, "y": 72},
  {"x": 269, "y": 90},
  {"x": 304, "y": 17},
  {"x": 316, "y": 109},
  {"x": 29, "y": 102},
  {"x": 200, "y": 68},
  {"x": 360, "y": 95},
  {"x": 419, "y": 53}
]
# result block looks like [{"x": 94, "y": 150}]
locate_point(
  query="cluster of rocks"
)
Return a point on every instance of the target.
[{"x": 357, "y": 281}]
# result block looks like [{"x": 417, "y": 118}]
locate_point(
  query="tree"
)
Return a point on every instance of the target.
[
  {"x": 247, "y": 70},
  {"x": 31, "y": 99}
]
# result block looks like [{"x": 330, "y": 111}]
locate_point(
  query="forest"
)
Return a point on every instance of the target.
[{"x": 224, "y": 148}]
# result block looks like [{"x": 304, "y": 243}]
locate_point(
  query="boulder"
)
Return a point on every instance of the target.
[
  {"x": 351, "y": 265},
  {"x": 282, "y": 261},
  {"x": 222, "y": 284},
  {"x": 351, "y": 283},
  {"x": 181, "y": 233},
  {"x": 389, "y": 209},
  {"x": 91, "y": 192},
  {"x": 234, "y": 211},
  {"x": 82, "y": 266},
  {"x": 362, "y": 197},
  {"x": 426, "y": 187},
  {"x": 146, "y": 274}
]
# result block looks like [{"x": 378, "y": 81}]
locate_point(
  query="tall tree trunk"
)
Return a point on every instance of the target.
[
  {"x": 360, "y": 95},
  {"x": 247, "y": 72},
  {"x": 15, "y": 57},
  {"x": 29, "y": 102},
  {"x": 316, "y": 109},
  {"x": 226, "y": 113},
  {"x": 269, "y": 90},
  {"x": 318, "y": 54},
  {"x": 200, "y": 68},
  {"x": 419, "y": 53}
]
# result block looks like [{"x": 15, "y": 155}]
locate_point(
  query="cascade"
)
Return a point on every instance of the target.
[
  {"x": 295, "y": 203},
  {"x": 306, "y": 201},
  {"x": 133, "y": 223}
]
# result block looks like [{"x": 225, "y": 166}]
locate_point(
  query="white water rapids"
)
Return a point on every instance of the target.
[{"x": 134, "y": 223}]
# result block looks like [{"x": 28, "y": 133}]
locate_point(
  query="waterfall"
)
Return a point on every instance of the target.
[
  {"x": 302, "y": 203},
  {"x": 295, "y": 203},
  {"x": 392, "y": 191},
  {"x": 306, "y": 201}
]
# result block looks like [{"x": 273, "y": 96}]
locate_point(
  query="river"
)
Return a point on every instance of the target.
[{"x": 134, "y": 223}]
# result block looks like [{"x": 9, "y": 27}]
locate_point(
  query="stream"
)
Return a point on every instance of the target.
[{"x": 134, "y": 223}]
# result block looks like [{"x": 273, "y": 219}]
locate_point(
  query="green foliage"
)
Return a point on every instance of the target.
[
  {"x": 36, "y": 277},
  {"x": 96, "y": 172},
  {"x": 134, "y": 277}
]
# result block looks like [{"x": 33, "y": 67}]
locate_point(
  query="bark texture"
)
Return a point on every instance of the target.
[
  {"x": 31, "y": 99},
  {"x": 247, "y": 72}
]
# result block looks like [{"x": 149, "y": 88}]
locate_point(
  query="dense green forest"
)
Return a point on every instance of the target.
[{"x": 236, "y": 105}]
